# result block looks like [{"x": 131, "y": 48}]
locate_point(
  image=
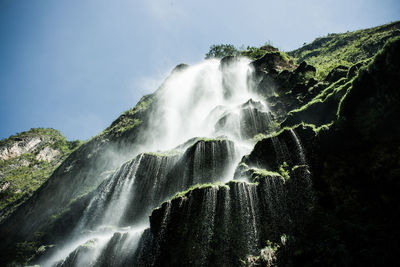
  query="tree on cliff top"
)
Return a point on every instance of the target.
[{"x": 221, "y": 50}]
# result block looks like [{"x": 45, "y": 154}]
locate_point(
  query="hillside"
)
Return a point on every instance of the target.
[
  {"x": 27, "y": 160},
  {"x": 274, "y": 159},
  {"x": 345, "y": 49}
]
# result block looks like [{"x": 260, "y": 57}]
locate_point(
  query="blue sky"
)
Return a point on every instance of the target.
[{"x": 76, "y": 65}]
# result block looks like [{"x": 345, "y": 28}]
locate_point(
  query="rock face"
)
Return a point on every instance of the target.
[
  {"x": 298, "y": 167},
  {"x": 17, "y": 148},
  {"x": 138, "y": 186},
  {"x": 247, "y": 121},
  {"x": 219, "y": 225},
  {"x": 26, "y": 161}
]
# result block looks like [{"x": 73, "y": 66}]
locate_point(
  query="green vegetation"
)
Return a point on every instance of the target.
[
  {"x": 90, "y": 243},
  {"x": 325, "y": 94},
  {"x": 131, "y": 118},
  {"x": 322, "y": 109},
  {"x": 264, "y": 172},
  {"x": 21, "y": 175},
  {"x": 221, "y": 50},
  {"x": 169, "y": 153},
  {"x": 317, "y": 130},
  {"x": 345, "y": 49},
  {"x": 259, "y": 137},
  {"x": 198, "y": 186},
  {"x": 253, "y": 52},
  {"x": 258, "y": 174},
  {"x": 284, "y": 170}
]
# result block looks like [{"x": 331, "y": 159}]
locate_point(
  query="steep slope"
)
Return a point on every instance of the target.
[
  {"x": 78, "y": 174},
  {"x": 345, "y": 49},
  {"x": 27, "y": 160},
  {"x": 356, "y": 167}
]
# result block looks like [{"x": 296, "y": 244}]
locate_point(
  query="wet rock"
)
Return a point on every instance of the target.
[
  {"x": 250, "y": 119},
  {"x": 219, "y": 225},
  {"x": 271, "y": 152}
]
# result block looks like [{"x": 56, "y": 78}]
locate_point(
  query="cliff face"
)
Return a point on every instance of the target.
[
  {"x": 313, "y": 155},
  {"x": 26, "y": 161}
]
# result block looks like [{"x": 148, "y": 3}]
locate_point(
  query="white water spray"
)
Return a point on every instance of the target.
[{"x": 209, "y": 100}]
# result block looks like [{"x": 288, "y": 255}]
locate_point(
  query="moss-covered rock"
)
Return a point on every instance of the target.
[
  {"x": 345, "y": 49},
  {"x": 270, "y": 152},
  {"x": 218, "y": 225},
  {"x": 355, "y": 168}
]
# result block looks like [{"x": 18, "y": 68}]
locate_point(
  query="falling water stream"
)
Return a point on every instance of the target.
[{"x": 210, "y": 100}]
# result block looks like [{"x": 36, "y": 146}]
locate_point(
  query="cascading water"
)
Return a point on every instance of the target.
[{"x": 211, "y": 105}]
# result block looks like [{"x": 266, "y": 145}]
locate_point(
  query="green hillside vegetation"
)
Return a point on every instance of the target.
[
  {"x": 328, "y": 52},
  {"x": 21, "y": 175}
]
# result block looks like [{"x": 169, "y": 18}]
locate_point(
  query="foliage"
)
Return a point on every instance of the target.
[
  {"x": 169, "y": 153},
  {"x": 221, "y": 50},
  {"x": 129, "y": 119},
  {"x": 345, "y": 49},
  {"x": 24, "y": 174},
  {"x": 356, "y": 170},
  {"x": 322, "y": 109},
  {"x": 197, "y": 186},
  {"x": 252, "y": 52},
  {"x": 284, "y": 170}
]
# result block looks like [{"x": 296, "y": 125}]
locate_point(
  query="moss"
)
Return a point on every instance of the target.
[
  {"x": 208, "y": 139},
  {"x": 198, "y": 186},
  {"x": 316, "y": 129},
  {"x": 325, "y": 94},
  {"x": 264, "y": 172},
  {"x": 89, "y": 244},
  {"x": 258, "y": 174},
  {"x": 284, "y": 170},
  {"x": 322, "y": 109},
  {"x": 169, "y": 153},
  {"x": 259, "y": 137}
]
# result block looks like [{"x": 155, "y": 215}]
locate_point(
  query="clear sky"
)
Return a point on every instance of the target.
[{"x": 75, "y": 65}]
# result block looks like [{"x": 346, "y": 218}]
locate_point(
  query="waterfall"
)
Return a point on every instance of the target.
[
  {"x": 300, "y": 150},
  {"x": 202, "y": 125},
  {"x": 108, "y": 206}
]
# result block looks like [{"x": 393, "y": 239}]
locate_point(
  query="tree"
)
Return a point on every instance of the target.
[{"x": 222, "y": 50}]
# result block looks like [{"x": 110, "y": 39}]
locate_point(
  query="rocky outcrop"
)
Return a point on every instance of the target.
[
  {"x": 270, "y": 153},
  {"x": 130, "y": 194},
  {"x": 246, "y": 121},
  {"x": 26, "y": 161},
  {"x": 83, "y": 170},
  {"x": 355, "y": 169},
  {"x": 18, "y": 147},
  {"x": 220, "y": 225}
]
